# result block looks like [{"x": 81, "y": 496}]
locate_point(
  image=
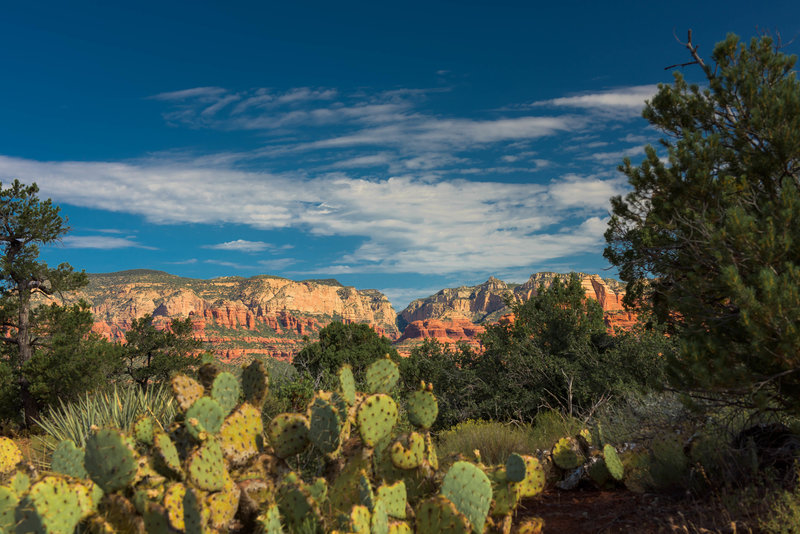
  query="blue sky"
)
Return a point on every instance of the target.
[{"x": 404, "y": 147}]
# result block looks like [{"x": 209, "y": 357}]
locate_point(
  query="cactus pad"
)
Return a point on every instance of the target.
[
  {"x": 399, "y": 527},
  {"x": 534, "y": 525},
  {"x": 515, "y": 467},
  {"x": 430, "y": 452},
  {"x": 439, "y": 515},
  {"x": 470, "y": 490},
  {"x": 270, "y": 521},
  {"x": 382, "y": 375},
  {"x": 110, "y": 459},
  {"x": 297, "y": 506},
  {"x": 566, "y": 454},
  {"x": 255, "y": 383},
  {"x": 205, "y": 415},
  {"x": 423, "y": 408},
  {"x": 166, "y": 453},
  {"x": 67, "y": 459},
  {"x": 240, "y": 434},
  {"x": 325, "y": 426},
  {"x": 598, "y": 471},
  {"x": 8, "y": 502},
  {"x": 10, "y": 455},
  {"x": 394, "y": 498},
  {"x": 376, "y": 416},
  {"x": 186, "y": 390},
  {"x": 51, "y": 505},
  {"x": 226, "y": 391},
  {"x": 173, "y": 505},
  {"x": 534, "y": 481},
  {"x": 223, "y": 505},
  {"x": 19, "y": 483},
  {"x": 379, "y": 521},
  {"x": 365, "y": 493},
  {"x": 347, "y": 384},
  {"x": 288, "y": 434},
  {"x": 206, "y": 467},
  {"x": 613, "y": 462},
  {"x": 144, "y": 429},
  {"x": 408, "y": 451}
]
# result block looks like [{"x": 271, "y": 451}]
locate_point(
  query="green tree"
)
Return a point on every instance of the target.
[
  {"x": 556, "y": 353},
  {"x": 154, "y": 355},
  {"x": 339, "y": 343},
  {"x": 709, "y": 236},
  {"x": 69, "y": 359},
  {"x": 450, "y": 368},
  {"x": 26, "y": 223}
]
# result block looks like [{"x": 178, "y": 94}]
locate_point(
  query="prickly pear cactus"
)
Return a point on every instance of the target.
[
  {"x": 408, "y": 451},
  {"x": 67, "y": 459},
  {"x": 240, "y": 435},
  {"x": 186, "y": 390},
  {"x": 468, "y": 487},
  {"x": 288, "y": 434},
  {"x": 566, "y": 454},
  {"x": 255, "y": 383},
  {"x": 347, "y": 384},
  {"x": 394, "y": 498},
  {"x": 382, "y": 376},
  {"x": 515, "y": 468},
  {"x": 51, "y": 505},
  {"x": 111, "y": 459},
  {"x": 204, "y": 417},
  {"x": 144, "y": 429},
  {"x": 226, "y": 391},
  {"x": 10, "y": 455},
  {"x": 438, "y": 515},
  {"x": 423, "y": 408},
  {"x": 376, "y": 416},
  {"x": 325, "y": 426},
  {"x": 535, "y": 478},
  {"x": 613, "y": 462},
  {"x": 534, "y": 525}
]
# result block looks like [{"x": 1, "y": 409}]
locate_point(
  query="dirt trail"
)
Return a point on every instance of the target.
[{"x": 607, "y": 512}]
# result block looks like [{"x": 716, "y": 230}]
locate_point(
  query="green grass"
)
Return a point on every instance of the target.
[{"x": 117, "y": 408}]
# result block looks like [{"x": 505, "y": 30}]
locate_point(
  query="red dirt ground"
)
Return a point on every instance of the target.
[{"x": 619, "y": 511}]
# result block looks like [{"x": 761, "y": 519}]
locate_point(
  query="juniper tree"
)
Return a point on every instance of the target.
[
  {"x": 709, "y": 237},
  {"x": 26, "y": 223}
]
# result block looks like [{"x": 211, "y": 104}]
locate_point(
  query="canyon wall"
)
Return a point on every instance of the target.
[{"x": 274, "y": 317}]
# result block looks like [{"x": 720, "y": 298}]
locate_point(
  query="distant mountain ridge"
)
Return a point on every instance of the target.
[{"x": 270, "y": 316}]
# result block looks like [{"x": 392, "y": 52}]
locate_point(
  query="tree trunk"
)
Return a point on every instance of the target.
[{"x": 29, "y": 405}]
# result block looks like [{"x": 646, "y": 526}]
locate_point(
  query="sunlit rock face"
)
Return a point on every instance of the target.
[
  {"x": 445, "y": 315},
  {"x": 267, "y": 316},
  {"x": 238, "y": 318}
]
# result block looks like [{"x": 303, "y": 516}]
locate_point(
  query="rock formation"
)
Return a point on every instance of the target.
[
  {"x": 443, "y": 315},
  {"x": 238, "y": 317},
  {"x": 241, "y": 318}
]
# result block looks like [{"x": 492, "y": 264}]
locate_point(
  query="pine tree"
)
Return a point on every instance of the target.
[
  {"x": 709, "y": 238},
  {"x": 26, "y": 223}
]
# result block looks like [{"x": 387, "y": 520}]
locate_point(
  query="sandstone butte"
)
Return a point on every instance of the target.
[{"x": 267, "y": 316}]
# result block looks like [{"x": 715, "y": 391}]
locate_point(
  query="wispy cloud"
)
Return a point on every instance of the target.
[
  {"x": 241, "y": 245},
  {"x": 101, "y": 242},
  {"x": 409, "y": 223},
  {"x": 630, "y": 99}
]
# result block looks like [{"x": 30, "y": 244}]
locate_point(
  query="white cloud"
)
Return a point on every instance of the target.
[
  {"x": 624, "y": 98},
  {"x": 199, "y": 93},
  {"x": 101, "y": 242},
  {"x": 241, "y": 245},
  {"x": 409, "y": 223}
]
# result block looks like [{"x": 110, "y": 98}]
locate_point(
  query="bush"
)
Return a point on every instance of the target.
[
  {"x": 496, "y": 441},
  {"x": 117, "y": 408}
]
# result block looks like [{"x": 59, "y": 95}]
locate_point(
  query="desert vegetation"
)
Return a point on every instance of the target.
[{"x": 688, "y": 421}]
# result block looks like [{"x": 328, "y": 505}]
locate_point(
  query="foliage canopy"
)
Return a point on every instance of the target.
[{"x": 708, "y": 238}]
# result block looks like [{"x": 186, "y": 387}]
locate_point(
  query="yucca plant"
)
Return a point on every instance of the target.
[{"x": 117, "y": 408}]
